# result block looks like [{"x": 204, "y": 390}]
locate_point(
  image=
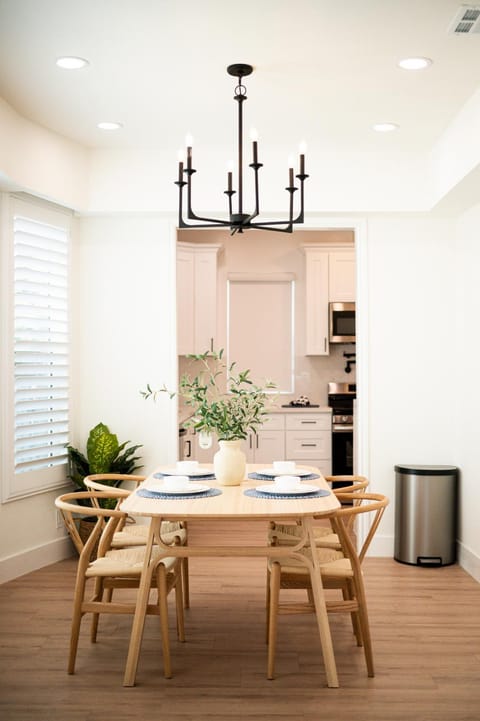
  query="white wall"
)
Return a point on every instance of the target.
[
  {"x": 125, "y": 324},
  {"x": 412, "y": 354},
  {"x": 38, "y": 161},
  {"x": 467, "y": 250}
]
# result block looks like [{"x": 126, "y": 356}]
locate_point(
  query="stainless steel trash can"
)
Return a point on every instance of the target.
[{"x": 425, "y": 515}]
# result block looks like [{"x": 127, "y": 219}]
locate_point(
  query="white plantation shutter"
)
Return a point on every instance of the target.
[
  {"x": 41, "y": 345},
  {"x": 40, "y": 352}
]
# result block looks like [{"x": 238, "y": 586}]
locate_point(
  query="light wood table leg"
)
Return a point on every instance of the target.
[
  {"x": 321, "y": 610},
  {"x": 141, "y": 608}
]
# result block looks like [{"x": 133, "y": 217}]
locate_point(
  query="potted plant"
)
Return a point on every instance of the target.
[
  {"x": 224, "y": 402},
  {"x": 104, "y": 454}
]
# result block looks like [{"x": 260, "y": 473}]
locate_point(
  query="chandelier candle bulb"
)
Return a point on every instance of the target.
[
  {"x": 255, "y": 151},
  {"x": 180, "y": 171},
  {"x": 229, "y": 184}
]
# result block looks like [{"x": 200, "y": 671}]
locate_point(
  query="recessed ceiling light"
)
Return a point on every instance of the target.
[
  {"x": 414, "y": 63},
  {"x": 69, "y": 62},
  {"x": 109, "y": 125},
  {"x": 385, "y": 127}
]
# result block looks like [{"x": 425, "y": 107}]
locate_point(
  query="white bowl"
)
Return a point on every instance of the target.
[
  {"x": 176, "y": 483},
  {"x": 287, "y": 483}
]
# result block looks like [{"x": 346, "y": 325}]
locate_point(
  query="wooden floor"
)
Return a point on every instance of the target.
[{"x": 425, "y": 627}]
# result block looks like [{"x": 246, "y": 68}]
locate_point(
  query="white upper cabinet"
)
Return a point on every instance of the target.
[
  {"x": 316, "y": 306},
  {"x": 329, "y": 277},
  {"x": 196, "y": 297},
  {"x": 341, "y": 277}
]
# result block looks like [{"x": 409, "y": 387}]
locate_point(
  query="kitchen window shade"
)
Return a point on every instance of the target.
[{"x": 40, "y": 354}]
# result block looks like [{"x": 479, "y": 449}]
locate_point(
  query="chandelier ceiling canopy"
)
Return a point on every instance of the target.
[{"x": 239, "y": 220}]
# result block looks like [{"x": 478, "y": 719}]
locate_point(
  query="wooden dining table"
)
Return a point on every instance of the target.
[{"x": 234, "y": 505}]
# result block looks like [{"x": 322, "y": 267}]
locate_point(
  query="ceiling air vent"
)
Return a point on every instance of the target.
[{"x": 466, "y": 21}]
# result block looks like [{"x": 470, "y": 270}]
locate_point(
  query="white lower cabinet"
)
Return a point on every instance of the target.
[
  {"x": 308, "y": 440},
  {"x": 305, "y": 438},
  {"x": 268, "y": 444}
]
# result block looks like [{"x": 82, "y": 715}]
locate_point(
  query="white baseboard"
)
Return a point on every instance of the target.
[
  {"x": 383, "y": 546},
  {"x": 34, "y": 558},
  {"x": 469, "y": 561}
]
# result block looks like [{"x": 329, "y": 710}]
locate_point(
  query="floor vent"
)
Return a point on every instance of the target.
[{"x": 466, "y": 21}]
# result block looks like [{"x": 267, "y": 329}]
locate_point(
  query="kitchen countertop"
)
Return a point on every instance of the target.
[
  {"x": 278, "y": 409},
  {"x": 300, "y": 409}
]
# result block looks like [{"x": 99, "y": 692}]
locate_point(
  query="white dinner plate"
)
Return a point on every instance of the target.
[
  {"x": 301, "y": 488},
  {"x": 272, "y": 473},
  {"x": 191, "y": 474},
  {"x": 192, "y": 488}
]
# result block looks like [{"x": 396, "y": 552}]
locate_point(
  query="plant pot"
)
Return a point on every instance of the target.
[{"x": 229, "y": 463}]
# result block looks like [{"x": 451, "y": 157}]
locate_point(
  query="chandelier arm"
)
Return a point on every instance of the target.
[
  {"x": 180, "y": 184},
  {"x": 261, "y": 226},
  {"x": 300, "y": 217},
  {"x": 211, "y": 223}
]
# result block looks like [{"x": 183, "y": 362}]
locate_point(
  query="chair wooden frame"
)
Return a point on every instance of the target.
[
  {"x": 288, "y": 535},
  {"x": 343, "y": 573},
  {"x": 120, "y": 568},
  {"x": 175, "y": 533}
]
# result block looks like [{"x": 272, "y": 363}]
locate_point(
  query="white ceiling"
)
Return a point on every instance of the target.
[{"x": 325, "y": 70}]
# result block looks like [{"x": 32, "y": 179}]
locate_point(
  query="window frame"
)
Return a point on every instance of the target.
[{"x": 15, "y": 486}]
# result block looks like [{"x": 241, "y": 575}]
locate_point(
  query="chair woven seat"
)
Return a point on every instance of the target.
[
  {"x": 326, "y": 556},
  {"x": 126, "y": 562},
  {"x": 288, "y": 534}
]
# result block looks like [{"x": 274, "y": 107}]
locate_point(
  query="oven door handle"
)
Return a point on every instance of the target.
[{"x": 342, "y": 429}]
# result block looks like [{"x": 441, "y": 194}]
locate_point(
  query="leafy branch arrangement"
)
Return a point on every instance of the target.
[{"x": 230, "y": 413}]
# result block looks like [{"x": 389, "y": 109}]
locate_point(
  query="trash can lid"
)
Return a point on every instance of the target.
[{"x": 427, "y": 470}]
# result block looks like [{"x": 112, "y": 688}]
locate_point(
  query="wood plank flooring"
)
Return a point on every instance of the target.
[{"x": 425, "y": 629}]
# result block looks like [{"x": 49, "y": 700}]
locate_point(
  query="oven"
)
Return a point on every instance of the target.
[{"x": 340, "y": 400}]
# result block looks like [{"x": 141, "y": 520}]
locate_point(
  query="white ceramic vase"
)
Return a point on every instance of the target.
[{"x": 229, "y": 463}]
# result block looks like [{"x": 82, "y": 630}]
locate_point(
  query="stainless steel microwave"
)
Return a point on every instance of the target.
[{"x": 342, "y": 322}]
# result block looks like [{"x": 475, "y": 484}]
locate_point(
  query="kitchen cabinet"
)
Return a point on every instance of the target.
[
  {"x": 308, "y": 440},
  {"x": 341, "y": 276},
  {"x": 303, "y": 437},
  {"x": 316, "y": 306},
  {"x": 196, "y": 297},
  {"x": 268, "y": 444},
  {"x": 329, "y": 277}
]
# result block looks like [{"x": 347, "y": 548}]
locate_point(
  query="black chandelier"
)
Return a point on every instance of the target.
[{"x": 239, "y": 221}]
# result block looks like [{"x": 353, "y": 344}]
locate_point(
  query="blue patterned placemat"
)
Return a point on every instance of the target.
[
  {"x": 253, "y": 493},
  {"x": 195, "y": 477},
  {"x": 178, "y": 496},
  {"x": 262, "y": 477}
]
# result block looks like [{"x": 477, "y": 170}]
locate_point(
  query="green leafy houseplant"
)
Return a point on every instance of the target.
[
  {"x": 224, "y": 401},
  {"x": 104, "y": 454}
]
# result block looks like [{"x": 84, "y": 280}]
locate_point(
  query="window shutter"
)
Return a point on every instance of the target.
[{"x": 40, "y": 345}]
